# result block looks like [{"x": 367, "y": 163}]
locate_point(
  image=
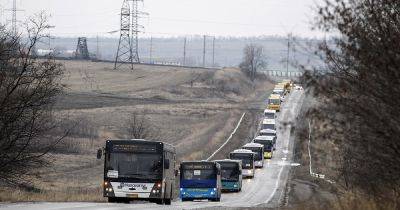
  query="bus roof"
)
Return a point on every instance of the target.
[
  {"x": 245, "y": 151},
  {"x": 269, "y": 111},
  {"x": 264, "y": 138},
  {"x": 268, "y": 121},
  {"x": 268, "y": 131},
  {"x": 274, "y": 96},
  {"x": 253, "y": 145},
  {"x": 228, "y": 161}
]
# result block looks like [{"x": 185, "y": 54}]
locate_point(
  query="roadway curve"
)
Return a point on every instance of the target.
[{"x": 265, "y": 190}]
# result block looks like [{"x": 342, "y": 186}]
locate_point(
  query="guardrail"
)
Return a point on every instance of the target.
[{"x": 229, "y": 138}]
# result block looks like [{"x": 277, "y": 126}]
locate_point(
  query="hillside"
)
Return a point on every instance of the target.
[{"x": 187, "y": 107}]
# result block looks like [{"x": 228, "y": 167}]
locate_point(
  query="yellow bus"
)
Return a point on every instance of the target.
[{"x": 274, "y": 102}]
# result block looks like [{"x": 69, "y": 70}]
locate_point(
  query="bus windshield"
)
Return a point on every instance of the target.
[
  {"x": 258, "y": 152},
  {"x": 269, "y": 115},
  {"x": 230, "y": 171},
  {"x": 247, "y": 160},
  {"x": 274, "y": 101},
  {"x": 268, "y": 126},
  {"x": 199, "y": 174},
  {"x": 136, "y": 165},
  {"x": 268, "y": 145}
]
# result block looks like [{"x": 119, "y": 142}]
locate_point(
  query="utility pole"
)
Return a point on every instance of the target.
[
  {"x": 213, "y": 52},
  {"x": 97, "y": 48},
  {"x": 151, "y": 49},
  {"x": 288, "y": 53},
  {"x": 204, "y": 51},
  {"x": 184, "y": 52}
]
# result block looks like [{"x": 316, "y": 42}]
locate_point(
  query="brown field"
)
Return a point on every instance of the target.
[{"x": 193, "y": 109}]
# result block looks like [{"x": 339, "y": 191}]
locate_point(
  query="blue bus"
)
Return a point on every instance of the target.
[
  {"x": 231, "y": 174},
  {"x": 200, "y": 180}
]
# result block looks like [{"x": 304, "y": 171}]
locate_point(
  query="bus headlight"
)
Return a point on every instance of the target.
[
  {"x": 212, "y": 193},
  {"x": 250, "y": 171}
]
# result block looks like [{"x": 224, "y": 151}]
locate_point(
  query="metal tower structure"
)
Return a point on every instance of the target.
[
  {"x": 82, "y": 51},
  {"x": 14, "y": 11},
  {"x": 128, "y": 47},
  {"x": 14, "y": 18},
  {"x": 135, "y": 31}
]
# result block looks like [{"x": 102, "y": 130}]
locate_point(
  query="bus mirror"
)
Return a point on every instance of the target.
[
  {"x": 176, "y": 172},
  {"x": 99, "y": 153},
  {"x": 166, "y": 164}
]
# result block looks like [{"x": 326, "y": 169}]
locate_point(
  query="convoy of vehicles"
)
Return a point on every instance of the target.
[
  {"x": 200, "y": 180},
  {"x": 145, "y": 170},
  {"x": 231, "y": 175},
  {"x": 138, "y": 170},
  {"x": 258, "y": 150},
  {"x": 247, "y": 158}
]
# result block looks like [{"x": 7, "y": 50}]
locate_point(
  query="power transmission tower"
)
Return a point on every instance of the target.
[
  {"x": 184, "y": 52},
  {"x": 124, "y": 52},
  {"x": 128, "y": 47},
  {"x": 204, "y": 51},
  {"x": 14, "y": 10},
  {"x": 135, "y": 31},
  {"x": 82, "y": 51}
]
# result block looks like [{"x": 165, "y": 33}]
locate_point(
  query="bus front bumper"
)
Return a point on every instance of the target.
[
  {"x": 230, "y": 186},
  {"x": 247, "y": 173},
  {"x": 198, "y": 193}
]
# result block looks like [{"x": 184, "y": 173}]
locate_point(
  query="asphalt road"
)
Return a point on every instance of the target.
[{"x": 265, "y": 190}]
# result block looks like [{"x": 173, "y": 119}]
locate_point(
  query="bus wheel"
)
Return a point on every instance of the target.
[
  {"x": 167, "y": 201},
  {"x": 112, "y": 200},
  {"x": 160, "y": 201}
]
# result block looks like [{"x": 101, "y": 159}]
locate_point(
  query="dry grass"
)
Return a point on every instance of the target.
[{"x": 193, "y": 109}]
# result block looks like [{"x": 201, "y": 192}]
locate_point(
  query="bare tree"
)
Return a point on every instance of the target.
[
  {"x": 253, "y": 60},
  {"x": 28, "y": 91},
  {"x": 138, "y": 127},
  {"x": 359, "y": 93}
]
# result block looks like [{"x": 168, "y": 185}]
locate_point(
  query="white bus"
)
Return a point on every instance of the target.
[
  {"x": 258, "y": 149},
  {"x": 268, "y": 124},
  {"x": 269, "y": 114},
  {"x": 247, "y": 158}
]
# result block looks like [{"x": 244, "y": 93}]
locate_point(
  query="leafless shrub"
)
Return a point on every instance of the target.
[
  {"x": 139, "y": 127},
  {"x": 28, "y": 90},
  {"x": 359, "y": 94}
]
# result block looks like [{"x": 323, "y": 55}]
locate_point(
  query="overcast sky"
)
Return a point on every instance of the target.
[{"x": 175, "y": 17}]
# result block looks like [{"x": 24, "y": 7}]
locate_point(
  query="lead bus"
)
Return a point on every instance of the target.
[
  {"x": 258, "y": 150},
  {"x": 138, "y": 170},
  {"x": 231, "y": 175},
  {"x": 247, "y": 158},
  {"x": 200, "y": 180}
]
